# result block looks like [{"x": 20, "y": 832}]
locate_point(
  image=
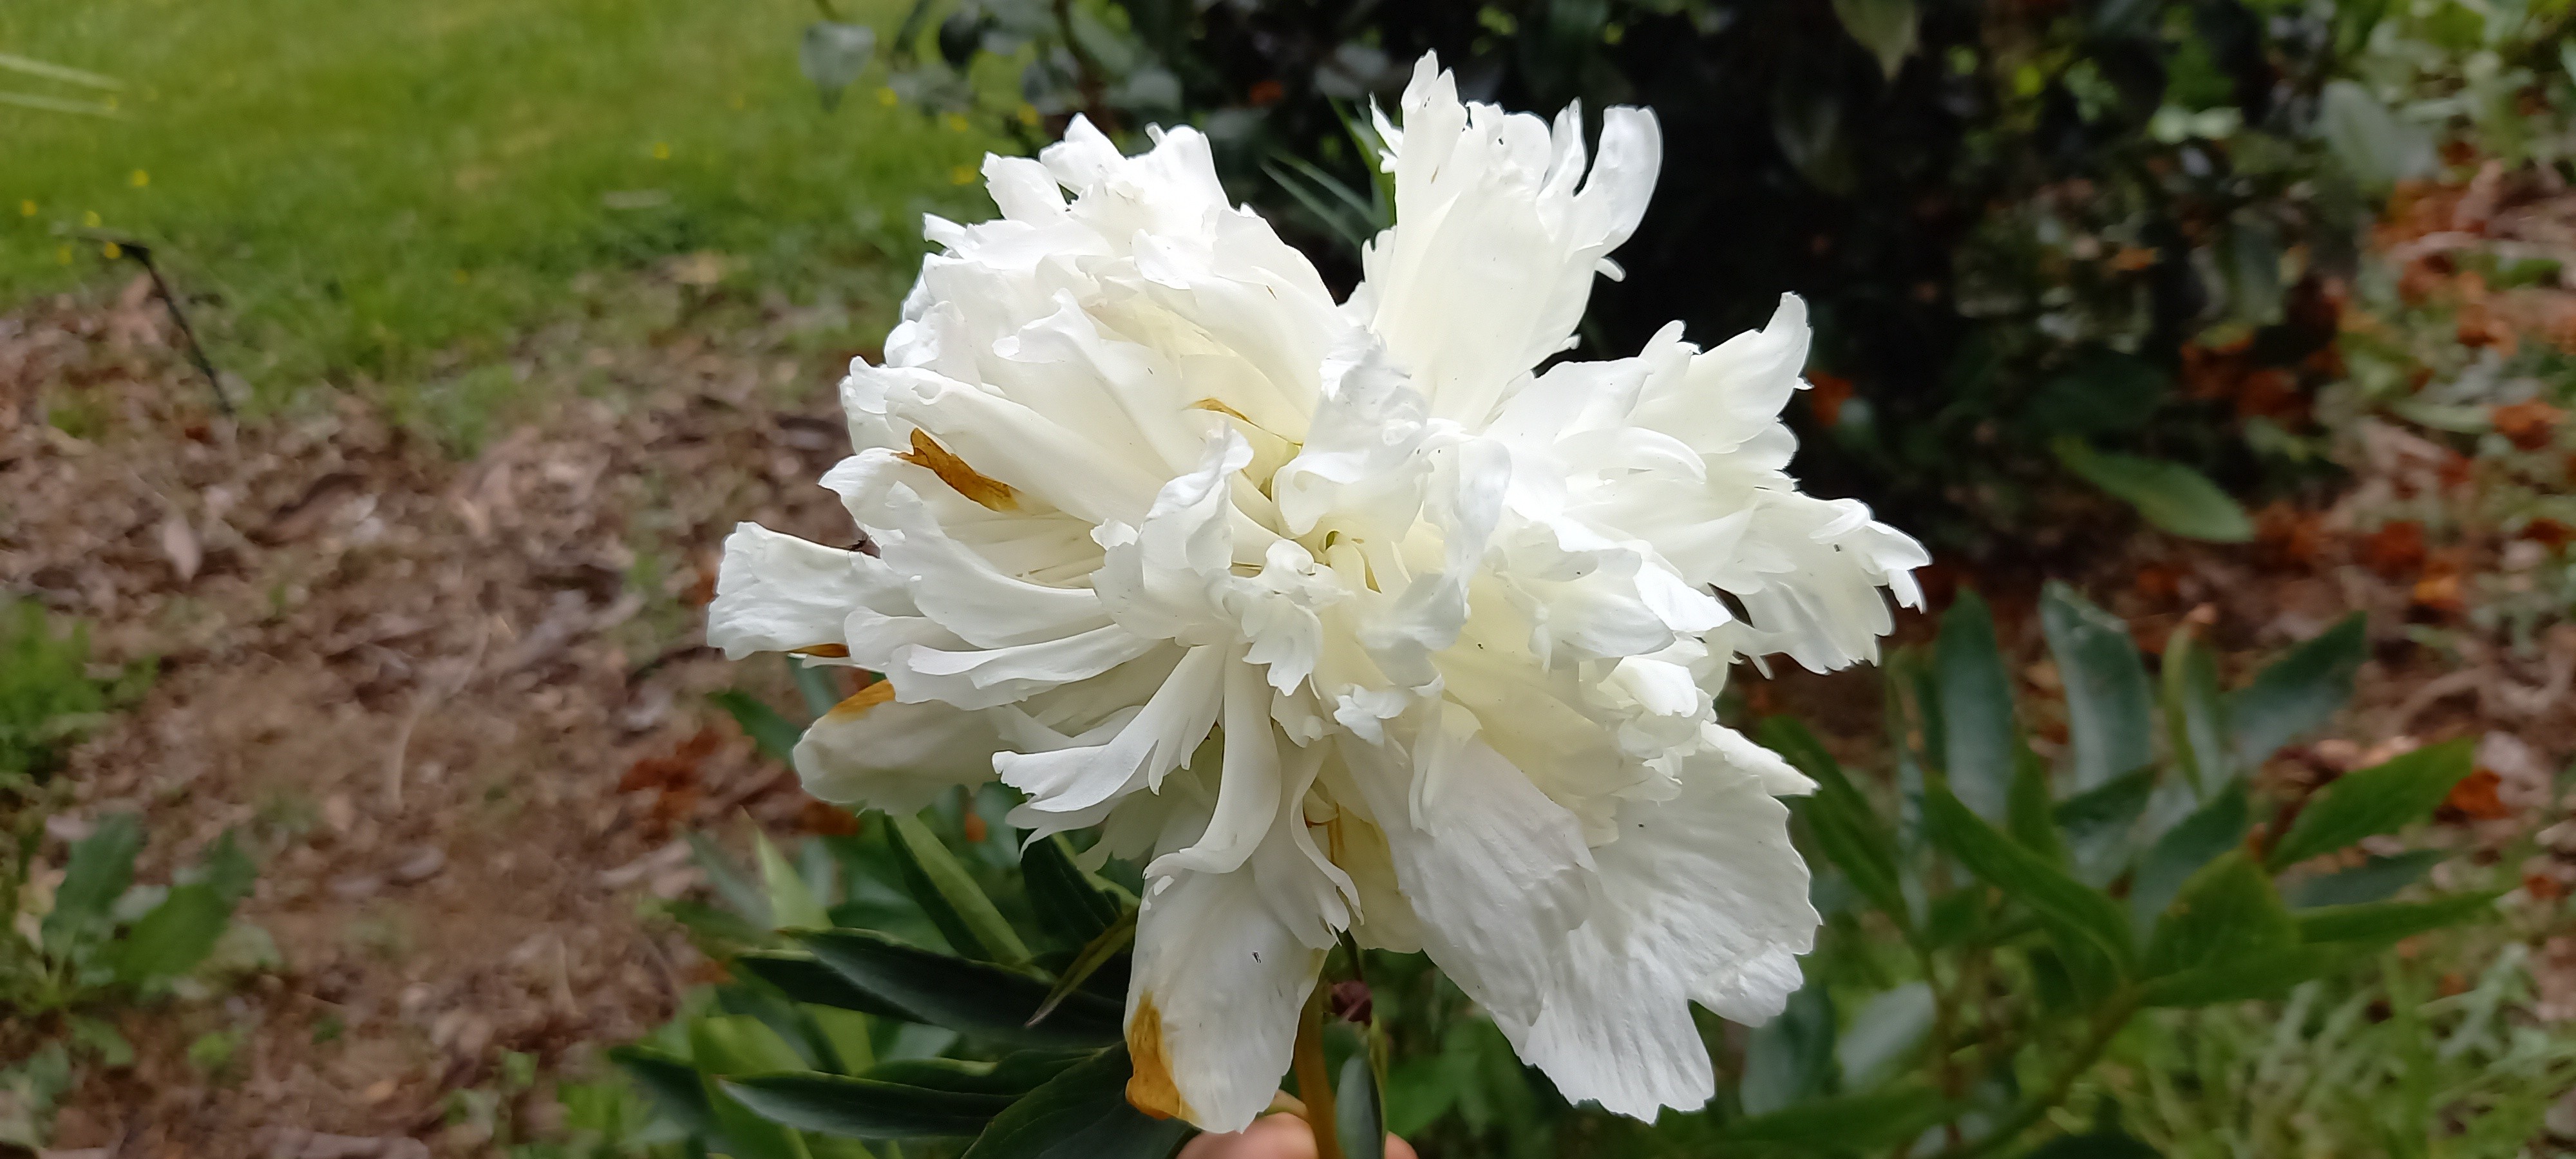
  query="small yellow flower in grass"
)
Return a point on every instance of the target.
[
  {"x": 111, "y": 251},
  {"x": 27, "y": 208},
  {"x": 888, "y": 98},
  {"x": 1028, "y": 114},
  {"x": 955, "y": 122},
  {"x": 138, "y": 179},
  {"x": 661, "y": 150},
  {"x": 737, "y": 101},
  {"x": 89, "y": 219},
  {"x": 962, "y": 175},
  {"x": 63, "y": 254},
  {"x": 461, "y": 277}
]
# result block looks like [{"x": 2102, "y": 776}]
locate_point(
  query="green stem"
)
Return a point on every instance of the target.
[{"x": 2106, "y": 1026}]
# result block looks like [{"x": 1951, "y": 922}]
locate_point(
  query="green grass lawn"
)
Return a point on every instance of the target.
[{"x": 358, "y": 185}]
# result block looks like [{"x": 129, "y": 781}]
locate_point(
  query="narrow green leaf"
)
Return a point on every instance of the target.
[
  {"x": 1886, "y": 1032},
  {"x": 2024, "y": 876},
  {"x": 1111, "y": 943},
  {"x": 970, "y": 997},
  {"x": 670, "y": 1083},
  {"x": 2101, "y": 825},
  {"x": 814, "y": 685},
  {"x": 176, "y": 935},
  {"x": 791, "y": 902},
  {"x": 2243, "y": 977},
  {"x": 2227, "y": 911},
  {"x": 2109, "y": 707},
  {"x": 2095, "y": 1145},
  {"x": 1359, "y": 1114},
  {"x": 2377, "y": 879},
  {"x": 2381, "y": 799},
  {"x": 859, "y": 1108},
  {"x": 2296, "y": 693},
  {"x": 804, "y": 978},
  {"x": 849, "y": 1033},
  {"x": 1014, "y": 1074},
  {"x": 1082, "y": 1113},
  {"x": 730, "y": 881},
  {"x": 2195, "y": 714},
  {"x": 776, "y": 735},
  {"x": 102, "y": 865},
  {"x": 728, "y": 1044},
  {"x": 2197, "y": 840},
  {"x": 1075, "y": 905},
  {"x": 2171, "y": 496},
  {"x": 1847, "y": 1122},
  {"x": 2389, "y": 921},
  {"x": 2030, "y": 814},
  {"x": 1977, "y": 732},
  {"x": 951, "y": 897},
  {"x": 227, "y": 870},
  {"x": 1840, "y": 819},
  {"x": 1791, "y": 1058}
]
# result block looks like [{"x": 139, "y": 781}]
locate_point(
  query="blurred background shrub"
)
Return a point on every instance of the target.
[{"x": 2029, "y": 232}]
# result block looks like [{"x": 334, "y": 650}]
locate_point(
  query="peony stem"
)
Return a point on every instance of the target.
[{"x": 1314, "y": 1084}]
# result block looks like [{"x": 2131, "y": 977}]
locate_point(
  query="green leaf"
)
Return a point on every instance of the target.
[
  {"x": 2377, "y": 879},
  {"x": 2110, "y": 707},
  {"x": 2388, "y": 921},
  {"x": 2096, "y": 1145},
  {"x": 1080, "y": 1114},
  {"x": 2101, "y": 822},
  {"x": 227, "y": 870},
  {"x": 970, "y": 997},
  {"x": 1886, "y": 1032},
  {"x": 2369, "y": 140},
  {"x": 832, "y": 54},
  {"x": 2379, "y": 799},
  {"x": 2238, "y": 978},
  {"x": 2195, "y": 713},
  {"x": 776, "y": 735},
  {"x": 2030, "y": 815},
  {"x": 2295, "y": 693},
  {"x": 791, "y": 901},
  {"x": 1359, "y": 1115},
  {"x": 1840, "y": 819},
  {"x": 2197, "y": 840},
  {"x": 1977, "y": 732},
  {"x": 175, "y": 936},
  {"x": 1790, "y": 1058},
  {"x": 849, "y": 1034},
  {"x": 1846, "y": 1122},
  {"x": 949, "y": 894},
  {"x": 730, "y": 881},
  {"x": 814, "y": 684},
  {"x": 1015, "y": 1074},
  {"x": 1111, "y": 943},
  {"x": 726, "y": 1044},
  {"x": 1076, "y": 905},
  {"x": 102, "y": 865},
  {"x": 859, "y": 1108},
  {"x": 2171, "y": 496},
  {"x": 2024, "y": 876},
  {"x": 804, "y": 978},
  {"x": 671, "y": 1083},
  {"x": 2227, "y": 911},
  {"x": 1885, "y": 27}
]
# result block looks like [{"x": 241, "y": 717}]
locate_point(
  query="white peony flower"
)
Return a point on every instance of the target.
[{"x": 1342, "y": 616}]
